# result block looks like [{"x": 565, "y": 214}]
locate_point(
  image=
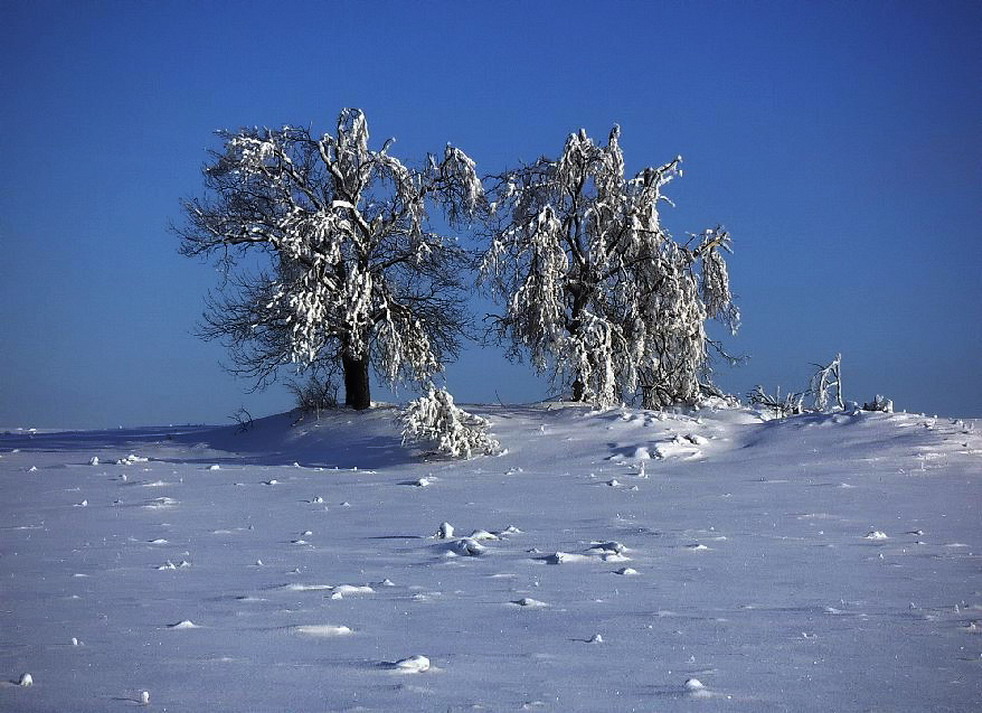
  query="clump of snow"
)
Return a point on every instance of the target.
[
  {"x": 184, "y": 624},
  {"x": 469, "y": 547},
  {"x": 413, "y": 664},
  {"x": 323, "y": 630},
  {"x": 353, "y": 589},
  {"x": 566, "y": 558},
  {"x": 530, "y": 603},
  {"x": 483, "y": 535}
]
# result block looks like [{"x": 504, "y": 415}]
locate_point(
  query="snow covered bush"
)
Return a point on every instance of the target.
[
  {"x": 434, "y": 419},
  {"x": 824, "y": 387},
  {"x": 826, "y": 384},
  {"x": 880, "y": 403},
  {"x": 330, "y": 255},
  {"x": 595, "y": 290},
  {"x": 792, "y": 404}
]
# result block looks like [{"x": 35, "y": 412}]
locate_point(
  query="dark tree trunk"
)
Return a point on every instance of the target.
[
  {"x": 575, "y": 325},
  {"x": 357, "y": 389},
  {"x": 579, "y": 390}
]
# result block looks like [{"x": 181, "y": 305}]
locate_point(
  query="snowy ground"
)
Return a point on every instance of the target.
[{"x": 821, "y": 563}]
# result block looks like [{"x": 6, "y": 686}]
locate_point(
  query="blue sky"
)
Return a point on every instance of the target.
[{"x": 838, "y": 142}]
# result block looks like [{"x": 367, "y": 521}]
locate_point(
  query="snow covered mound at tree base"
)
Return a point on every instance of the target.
[{"x": 808, "y": 564}]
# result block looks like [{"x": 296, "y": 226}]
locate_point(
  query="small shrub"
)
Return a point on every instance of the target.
[
  {"x": 314, "y": 395},
  {"x": 434, "y": 419},
  {"x": 793, "y": 403}
]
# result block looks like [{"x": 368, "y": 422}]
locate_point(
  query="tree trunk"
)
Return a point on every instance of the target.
[
  {"x": 575, "y": 325},
  {"x": 357, "y": 390},
  {"x": 579, "y": 390}
]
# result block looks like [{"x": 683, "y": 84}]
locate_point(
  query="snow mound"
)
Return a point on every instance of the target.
[
  {"x": 530, "y": 603},
  {"x": 184, "y": 624},
  {"x": 322, "y": 630},
  {"x": 412, "y": 664}
]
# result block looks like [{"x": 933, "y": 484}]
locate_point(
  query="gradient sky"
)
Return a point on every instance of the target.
[{"x": 839, "y": 142}]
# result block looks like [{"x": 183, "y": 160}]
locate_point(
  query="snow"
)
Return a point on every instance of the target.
[{"x": 815, "y": 563}]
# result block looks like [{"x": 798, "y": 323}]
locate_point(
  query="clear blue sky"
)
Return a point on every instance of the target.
[{"x": 839, "y": 142}]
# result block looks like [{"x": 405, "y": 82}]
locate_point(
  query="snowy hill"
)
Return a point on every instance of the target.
[{"x": 608, "y": 561}]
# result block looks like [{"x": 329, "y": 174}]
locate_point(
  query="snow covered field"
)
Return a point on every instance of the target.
[{"x": 615, "y": 561}]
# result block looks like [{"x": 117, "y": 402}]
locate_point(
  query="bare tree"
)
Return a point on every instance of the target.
[{"x": 330, "y": 258}]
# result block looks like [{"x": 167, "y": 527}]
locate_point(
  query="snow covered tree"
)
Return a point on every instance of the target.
[
  {"x": 826, "y": 384},
  {"x": 436, "y": 420},
  {"x": 597, "y": 292},
  {"x": 330, "y": 258}
]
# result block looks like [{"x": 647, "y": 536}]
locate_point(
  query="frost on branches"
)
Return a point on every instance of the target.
[
  {"x": 596, "y": 291},
  {"x": 434, "y": 419},
  {"x": 339, "y": 269}
]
